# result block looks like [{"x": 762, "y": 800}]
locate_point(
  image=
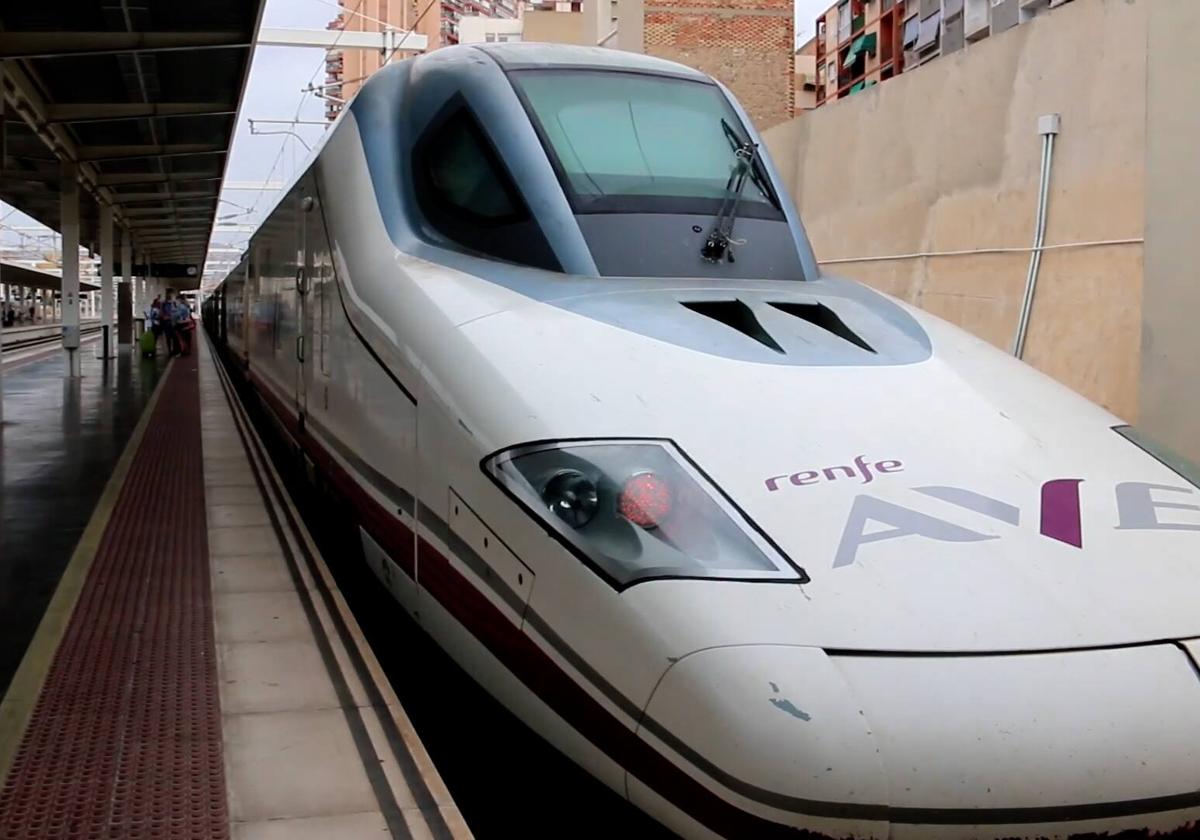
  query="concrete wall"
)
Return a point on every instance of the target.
[
  {"x": 555, "y": 27},
  {"x": 1170, "y": 393},
  {"x": 946, "y": 158},
  {"x": 806, "y": 78},
  {"x": 475, "y": 29}
]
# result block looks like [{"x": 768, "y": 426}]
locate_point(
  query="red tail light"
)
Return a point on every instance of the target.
[{"x": 645, "y": 500}]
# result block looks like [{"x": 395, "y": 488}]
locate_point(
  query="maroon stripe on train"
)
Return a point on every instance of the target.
[
  {"x": 392, "y": 535},
  {"x": 529, "y": 663},
  {"x": 125, "y": 737}
]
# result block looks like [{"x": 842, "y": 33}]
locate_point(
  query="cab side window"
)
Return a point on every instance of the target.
[{"x": 468, "y": 197}]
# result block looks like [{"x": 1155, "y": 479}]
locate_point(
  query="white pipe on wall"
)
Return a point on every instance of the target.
[{"x": 1048, "y": 128}]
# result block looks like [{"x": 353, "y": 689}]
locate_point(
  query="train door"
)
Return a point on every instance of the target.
[
  {"x": 244, "y": 303},
  {"x": 304, "y": 272},
  {"x": 322, "y": 298},
  {"x": 258, "y": 308},
  {"x": 318, "y": 296},
  {"x": 359, "y": 402}
]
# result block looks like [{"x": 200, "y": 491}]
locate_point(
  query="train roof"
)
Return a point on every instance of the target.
[{"x": 520, "y": 55}]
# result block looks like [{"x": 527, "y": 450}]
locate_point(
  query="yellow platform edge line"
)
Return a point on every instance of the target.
[{"x": 17, "y": 706}]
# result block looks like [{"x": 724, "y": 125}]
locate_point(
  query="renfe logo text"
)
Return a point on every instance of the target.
[{"x": 861, "y": 467}]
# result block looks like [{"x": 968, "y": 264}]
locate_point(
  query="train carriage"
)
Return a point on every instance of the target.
[{"x": 766, "y": 551}]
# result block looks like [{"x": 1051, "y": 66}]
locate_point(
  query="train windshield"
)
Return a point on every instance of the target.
[{"x": 630, "y": 142}]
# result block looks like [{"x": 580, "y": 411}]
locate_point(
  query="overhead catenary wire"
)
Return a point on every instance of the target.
[
  {"x": 410, "y": 30},
  {"x": 356, "y": 14},
  {"x": 296, "y": 115},
  {"x": 308, "y": 88},
  {"x": 332, "y": 46},
  {"x": 394, "y": 49}
]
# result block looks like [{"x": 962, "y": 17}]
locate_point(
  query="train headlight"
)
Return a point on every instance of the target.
[
  {"x": 572, "y": 497},
  {"x": 636, "y": 510}
]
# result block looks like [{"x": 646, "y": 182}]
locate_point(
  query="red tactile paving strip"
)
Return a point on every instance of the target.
[{"x": 125, "y": 739}]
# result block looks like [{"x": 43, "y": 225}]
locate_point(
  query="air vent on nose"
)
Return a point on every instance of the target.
[
  {"x": 735, "y": 314},
  {"x": 822, "y": 316}
]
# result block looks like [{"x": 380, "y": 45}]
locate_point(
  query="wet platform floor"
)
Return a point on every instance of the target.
[{"x": 59, "y": 441}]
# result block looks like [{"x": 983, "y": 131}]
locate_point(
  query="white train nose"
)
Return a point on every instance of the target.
[
  {"x": 775, "y": 730},
  {"x": 1024, "y": 745}
]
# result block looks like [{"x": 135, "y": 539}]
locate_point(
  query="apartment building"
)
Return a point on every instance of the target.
[
  {"x": 551, "y": 21},
  {"x": 445, "y": 28},
  {"x": 748, "y": 44},
  {"x": 860, "y": 43},
  {"x": 437, "y": 20},
  {"x": 476, "y": 29},
  {"x": 554, "y": 6},
  {"x": 806, "y": 77}
]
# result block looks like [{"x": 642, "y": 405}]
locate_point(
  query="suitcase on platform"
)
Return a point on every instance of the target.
[{"x": 148, "y": 344}]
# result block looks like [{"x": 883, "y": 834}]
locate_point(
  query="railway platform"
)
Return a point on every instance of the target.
[
  {"x": 24, "y": 344},
  {"x": 179, "y": 662}
]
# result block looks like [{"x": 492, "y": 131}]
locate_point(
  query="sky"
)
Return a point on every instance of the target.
[
  {"x": 275, "y": 92},
  {"x": 806, "y": 16}
]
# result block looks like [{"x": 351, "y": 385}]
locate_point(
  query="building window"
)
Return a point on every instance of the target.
[
  {"x": 469, "y": 198},
  {"x": 931, "y": 33},
  {"x": 490, "y": 37},
  {"x": 912, "y": 31},
  {"x": 843, "y": 13}
]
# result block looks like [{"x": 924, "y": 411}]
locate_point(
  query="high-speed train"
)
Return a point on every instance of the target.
[{"x": 767, "y": 552}]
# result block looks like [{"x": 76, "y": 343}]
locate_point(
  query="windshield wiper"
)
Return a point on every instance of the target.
[
  {"x": 719, "y": 243},
  {"x": 756, "y": 171}
]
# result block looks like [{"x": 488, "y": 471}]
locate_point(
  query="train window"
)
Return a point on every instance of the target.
[
  {"x": 468, "y": 197},
  {"x": 463, "y": 176},
  {"x": 633, "y": 142}
]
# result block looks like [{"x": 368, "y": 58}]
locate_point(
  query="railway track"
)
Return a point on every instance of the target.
[{"x": 44, "y": 341}]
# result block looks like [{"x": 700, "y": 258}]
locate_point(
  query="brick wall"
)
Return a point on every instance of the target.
[{"x": 746, "y": 44}]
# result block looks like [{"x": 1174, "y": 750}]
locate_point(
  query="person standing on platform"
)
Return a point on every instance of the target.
[
  {"x": 154, "y": 318},
  {"x": 183, "y": 324},
  {"x": 167, "y": 319}
]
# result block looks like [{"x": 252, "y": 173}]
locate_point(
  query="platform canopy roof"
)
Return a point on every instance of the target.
[
  {"x": 15, "y": 274},
  {"x": 142, "y": 95}
]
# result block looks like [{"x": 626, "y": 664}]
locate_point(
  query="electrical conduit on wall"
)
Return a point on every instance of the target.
[{"x": 1048, "y": 128}]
